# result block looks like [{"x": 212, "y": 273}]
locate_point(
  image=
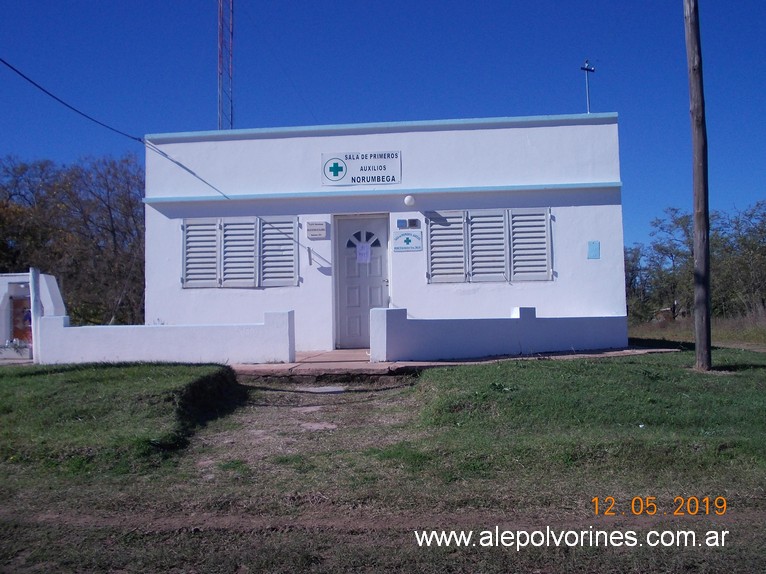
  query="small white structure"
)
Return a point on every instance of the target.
[
  {"x": 23, "y": 296},
  {"x": 15, "y": 316},
  {"x": 450, "y": 220}
]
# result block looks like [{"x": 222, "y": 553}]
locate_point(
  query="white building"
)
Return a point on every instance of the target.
[{"x": 450, "y": 220}]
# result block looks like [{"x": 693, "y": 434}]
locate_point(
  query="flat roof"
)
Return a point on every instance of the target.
[{"x": 384, "y": 127}]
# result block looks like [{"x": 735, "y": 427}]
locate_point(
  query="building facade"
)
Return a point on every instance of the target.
[{"x": 463, "y": 219}]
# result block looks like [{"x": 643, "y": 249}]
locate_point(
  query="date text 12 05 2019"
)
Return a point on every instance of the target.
[{"x": 681, "y": 506}]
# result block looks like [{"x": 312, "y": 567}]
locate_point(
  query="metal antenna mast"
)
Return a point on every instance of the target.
[
  {"x": 588, "y": 69},
  {"x": 225, "y": 64}
]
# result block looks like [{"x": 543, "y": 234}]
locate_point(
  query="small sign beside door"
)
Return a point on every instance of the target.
[
  {"x": 408, "y": 241},
  {"x": 316, "y": 229}
]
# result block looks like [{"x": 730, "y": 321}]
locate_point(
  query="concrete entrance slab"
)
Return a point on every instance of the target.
[
  {"x": 339, "y": 361},
  {"x": 357, "y": 361}
]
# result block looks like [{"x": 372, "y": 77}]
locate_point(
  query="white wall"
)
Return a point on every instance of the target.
[
  {"x": 168, "y": 303},
  {"x": 394, "y": 337},
  {"x": 270, "y": 342},
  {"x": 581, "y": 287},
  {"x": 450, "y": 154},
  {"x": 570, "y": 164}
]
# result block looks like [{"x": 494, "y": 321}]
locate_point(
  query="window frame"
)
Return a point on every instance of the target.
[
  {"x": 449, "y": 264},
  {"x": 243, "y": 248},
  {"x": 193, "y": 252},
  {"x": 471, "y": 254},
  {"x": 537, "y": 238}
]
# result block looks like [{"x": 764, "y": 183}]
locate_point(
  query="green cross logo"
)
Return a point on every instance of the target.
[
  {"x": 407, "y": 241},
  {"x": 335, "y": 169}
]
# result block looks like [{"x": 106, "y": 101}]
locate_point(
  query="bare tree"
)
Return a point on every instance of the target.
[{"x": 82, "y": 223}]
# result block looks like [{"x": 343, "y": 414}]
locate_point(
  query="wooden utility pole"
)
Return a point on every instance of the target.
[{"x": 700, "y": 184}]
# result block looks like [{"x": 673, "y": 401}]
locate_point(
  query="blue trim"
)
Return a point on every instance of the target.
[
  {"x": 384, "y": 127},
  {"x": 357, "y": 193}
]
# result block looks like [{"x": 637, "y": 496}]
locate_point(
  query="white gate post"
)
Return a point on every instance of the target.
[{"x": 36, "y": 309}]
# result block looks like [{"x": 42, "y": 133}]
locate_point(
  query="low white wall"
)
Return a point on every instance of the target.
[
  {"x": 394, "y": 337},
  {"x": 273, "y": 341},
  {"x": 50, "y": 296}
]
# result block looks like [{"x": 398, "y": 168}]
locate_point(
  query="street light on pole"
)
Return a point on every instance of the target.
[{"x": 588, "y": 69}]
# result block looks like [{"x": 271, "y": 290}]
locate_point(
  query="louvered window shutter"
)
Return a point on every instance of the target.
[
  {"x": 200, "y": 256},
  {"x": 446, "y": 247},
  {"x": 238, "y": 267},
  {"x": 487, "y": 245},
  {"x": 278, "y": 251},
  {"x": 530, "y": 245}
]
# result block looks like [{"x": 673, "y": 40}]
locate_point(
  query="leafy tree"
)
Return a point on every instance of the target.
[
  {"x": 746, "y": 272},
  {"x": 670, "y": 261},
  {"x": 637, "y": 286},
  {"x": 660, "y": 276}
]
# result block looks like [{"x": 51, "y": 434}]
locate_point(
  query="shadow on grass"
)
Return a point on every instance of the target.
[
  {"x": 21, "y": 371},
  {"x": 206, "y": 399},
  {"x": 648, "y": 343},
  {"x": 115, "y": 418}
]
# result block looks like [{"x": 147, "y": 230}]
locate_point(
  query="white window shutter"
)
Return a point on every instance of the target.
[
  {"x": 238, "y": 267},
  {"x": 200, "y": 253},
  {"x": 530, "y": 244},
  {"x": 446, "y": 247},
  {"x": 278, "y": 251},
  {"x": 487, "y": 245}
]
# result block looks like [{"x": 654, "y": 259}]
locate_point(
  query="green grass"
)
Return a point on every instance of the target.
[
  {"x": 88, "y": 417},
  {"x": 645, "y": 416},
  {"x": 235, "y": 466},
  {"x": 297, "y": 462},
  {"x": 572, "y": 430},
  {"x": 522, "y": 444},
  {"x": 404, "y": 454}
]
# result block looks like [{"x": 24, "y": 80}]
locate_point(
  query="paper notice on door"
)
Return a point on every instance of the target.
[{"x": 363, "y": 252}]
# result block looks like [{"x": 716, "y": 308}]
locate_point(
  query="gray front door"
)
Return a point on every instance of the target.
[{"x": 362, "y": 276}]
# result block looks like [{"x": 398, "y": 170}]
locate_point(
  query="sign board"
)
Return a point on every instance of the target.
[
  {"x": 362, "y": 168},
  {"x": 408, "y": 241},
  {"x": 363, "y": 252},
  {"x": 316, "y": 229}
]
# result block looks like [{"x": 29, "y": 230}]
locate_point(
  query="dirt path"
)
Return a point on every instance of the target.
[{"x": 284, "y": 418}]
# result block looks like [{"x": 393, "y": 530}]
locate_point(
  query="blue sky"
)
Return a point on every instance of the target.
[{"x": 150, "y": 67}]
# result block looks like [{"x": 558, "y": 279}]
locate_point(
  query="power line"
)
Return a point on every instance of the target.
[
  {"x": 183, "y": 166},
  {"x": 145, "y": 142},
  {"x": 63, "y": 103}
]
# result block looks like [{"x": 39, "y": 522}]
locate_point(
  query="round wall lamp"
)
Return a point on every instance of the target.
[{"x": 409, "y": 201}]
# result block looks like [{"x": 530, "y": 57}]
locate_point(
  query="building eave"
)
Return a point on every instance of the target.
[{"x": 383, "y": 127}]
